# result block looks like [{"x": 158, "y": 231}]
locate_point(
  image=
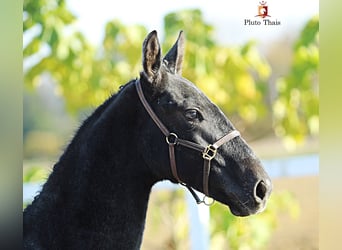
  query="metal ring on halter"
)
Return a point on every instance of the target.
[
  {"x": 172, "y": 139},
  {"x": 208, "y": 201}
]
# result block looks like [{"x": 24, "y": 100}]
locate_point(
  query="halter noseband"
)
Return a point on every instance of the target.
[{"x": 208, "y": 152}]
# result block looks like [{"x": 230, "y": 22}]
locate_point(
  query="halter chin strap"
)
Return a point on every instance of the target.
[{"x": 208, "y": 153}]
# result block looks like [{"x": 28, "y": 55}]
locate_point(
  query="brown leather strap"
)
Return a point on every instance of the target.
[
  {"x": 226, "y": 138},
  {"x": 206, "y": 171},
  {"x": 191, "y": 145},
  {"x": 171, "y": 138},
  {"x": 164, "y": 130},
  {"x": 173, "y": 162},
  {"x": 149, "y": 109}
]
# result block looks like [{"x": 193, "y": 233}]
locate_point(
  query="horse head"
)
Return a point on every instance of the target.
[{"x": 193, "y": 124}]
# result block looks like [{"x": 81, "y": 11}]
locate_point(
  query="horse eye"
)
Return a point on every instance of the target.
[{"x": 191, "y": 114}]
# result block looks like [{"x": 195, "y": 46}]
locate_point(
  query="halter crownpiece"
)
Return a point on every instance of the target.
[{"x": 208, "y": 153}]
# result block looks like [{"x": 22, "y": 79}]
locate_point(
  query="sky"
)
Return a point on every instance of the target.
[{"x": 228, "y": 17}]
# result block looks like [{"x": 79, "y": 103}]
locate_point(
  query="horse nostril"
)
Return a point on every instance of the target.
[{"x": 260, "y": 191}]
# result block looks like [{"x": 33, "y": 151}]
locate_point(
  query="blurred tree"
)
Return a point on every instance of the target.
[
  {"x": 233, "y": 77},
  {"x": 295, "y": 110},
  {"x": 60, "y": 52},
  {"x": 83, "y": 77},
  {"x": 252, "y": 232}
]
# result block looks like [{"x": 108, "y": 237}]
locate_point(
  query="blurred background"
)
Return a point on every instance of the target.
[{"x": 265, "y": 78}]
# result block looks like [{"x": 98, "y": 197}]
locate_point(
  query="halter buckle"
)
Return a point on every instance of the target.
[
  {"x": 172, "y": 139},
  {"x": 209, "y": 152}
]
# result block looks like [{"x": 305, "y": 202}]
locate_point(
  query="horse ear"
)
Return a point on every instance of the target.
[
  {"x": 151, "y": 56},
  {"x": 174, "y": 58}
]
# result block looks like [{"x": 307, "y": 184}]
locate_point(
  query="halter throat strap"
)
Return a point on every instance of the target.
[{"x": 208, "y": 153}]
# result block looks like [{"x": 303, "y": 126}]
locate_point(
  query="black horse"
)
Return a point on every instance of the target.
[{"x": 158, "y": 127}]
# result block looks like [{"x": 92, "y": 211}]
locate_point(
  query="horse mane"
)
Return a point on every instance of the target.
[
  {"x": 75, "y": 142},
  {"x": 100, "y": 109},
  {"x": 67, "y": 189}
]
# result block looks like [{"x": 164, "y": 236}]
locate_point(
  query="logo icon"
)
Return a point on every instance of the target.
[
  {"x": 263, "y": 14},
  {"x": 263, "y": 9}
]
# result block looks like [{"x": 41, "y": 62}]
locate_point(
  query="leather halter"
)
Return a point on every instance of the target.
[{"x": 208, "y": 152}]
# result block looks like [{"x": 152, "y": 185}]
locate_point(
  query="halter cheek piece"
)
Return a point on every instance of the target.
[{"x": 208, "y": 152}]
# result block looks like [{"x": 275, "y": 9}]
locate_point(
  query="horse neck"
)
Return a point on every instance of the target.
[{"x": 101, "y": 185}]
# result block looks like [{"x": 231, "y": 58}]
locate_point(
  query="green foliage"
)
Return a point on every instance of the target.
[
  {"x": 168, "y": 219},
  {"x": 83, "y": 76},
  {"x": 253, "y": 232},
  {"x": 35, "y": 174},
  {"x": 233, "y": 77},
  {"x": 296, "y": 108}
]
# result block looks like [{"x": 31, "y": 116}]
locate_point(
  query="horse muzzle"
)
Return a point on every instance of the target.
[{"x": 253, "y": 203}]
